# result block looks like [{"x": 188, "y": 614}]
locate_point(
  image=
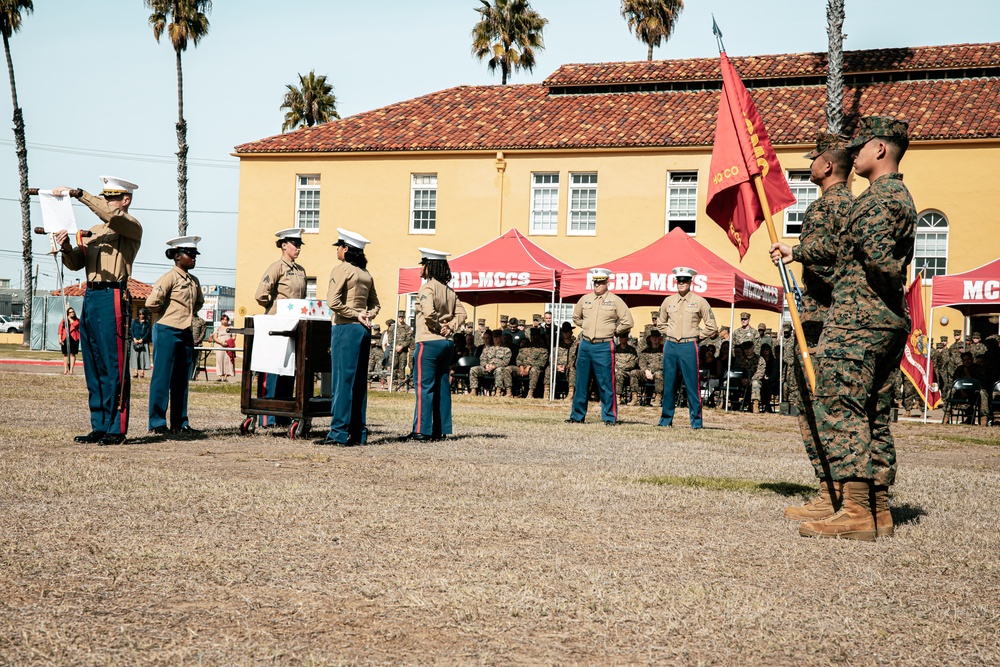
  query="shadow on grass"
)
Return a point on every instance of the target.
[
  {"x": 907, "y": 514},
  {"x": 731, "y": 484}
]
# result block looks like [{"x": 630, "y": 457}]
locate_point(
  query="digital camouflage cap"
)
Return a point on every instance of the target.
[
  {"x": 825, "y": 142},
  {"x": 878, "y": 126}
]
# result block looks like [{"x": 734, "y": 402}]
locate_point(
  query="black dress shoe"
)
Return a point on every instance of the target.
[
  {"x": 611, "y": 423},
  {"x": 574, "y": 421},
  {"x": 420, "y": 437},
  {"x": 93, "y": 436},
  {"x": 112, "y": 439},
  {"x": 186, "y": 431},
  {"x": 159, "y": 430},
  {"x": 330, "y": 442}
]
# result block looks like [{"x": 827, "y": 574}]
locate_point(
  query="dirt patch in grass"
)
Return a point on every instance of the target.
[{"x": 520, "y": 540}]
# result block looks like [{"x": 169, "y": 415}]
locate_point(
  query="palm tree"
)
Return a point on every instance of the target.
[
  {"x": 835, "y": 66},
  {"x": 508, "y": 32},
  {"x": 10, "y": 22},
  {"x": 184, "y": 21},
  {"x": 311, "y": 103},
  {"x": 652, "y": 21}
]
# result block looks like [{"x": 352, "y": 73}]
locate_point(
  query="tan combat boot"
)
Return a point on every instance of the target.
[
  {"x": 854, "y": 521},
  {"x": 883, "y": 517},
  {"x": 822, "y": 506}
]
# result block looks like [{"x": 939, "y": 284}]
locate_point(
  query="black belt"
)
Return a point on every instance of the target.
[
  {"x": 106, "y": 285},
  {"x": 682, "y": 340},
  {"x": 597, "y": 340}
]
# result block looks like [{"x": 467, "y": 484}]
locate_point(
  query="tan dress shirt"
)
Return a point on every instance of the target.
[
  {"x": 177, "y": 297},
  {"x": 351, "y": 292},
  {"x": 108, "y": 254},
  {"x": 602, "y": 317},
  {"x": 682, "y": 317},
  {"x": 437, "y": 305},
  {"x": 281, "y": 281}
]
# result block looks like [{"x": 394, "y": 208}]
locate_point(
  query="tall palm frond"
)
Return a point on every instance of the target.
[
  {"x": 183, "y": 21},
  {"x": 652, "y": 21},
  {"x": 508, "y": 33},
  {"x": 310, "y": 103}
]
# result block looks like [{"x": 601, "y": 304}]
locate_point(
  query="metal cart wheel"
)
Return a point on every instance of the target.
[
  {"x": 249, "y": 426},
  {"x": 298, "y": 429}
]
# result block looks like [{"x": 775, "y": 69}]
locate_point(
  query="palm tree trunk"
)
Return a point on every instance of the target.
[
  {"x": 182, "y": 150},
  {"x": 835, "y": 66},
  {"x": 649, "y": 53},
  {"x": 21, "y": 150}
]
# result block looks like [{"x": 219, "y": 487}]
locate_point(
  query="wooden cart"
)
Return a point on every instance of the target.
[{"x": 312, "y": 356}]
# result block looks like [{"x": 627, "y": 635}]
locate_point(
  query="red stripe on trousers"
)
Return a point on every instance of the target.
[{"x": 418, "y": 367}]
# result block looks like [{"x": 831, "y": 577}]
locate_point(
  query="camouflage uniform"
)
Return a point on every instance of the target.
[
  {"x": 650, "y": 359},
  {"x": 404, "y": 339},
  {"x": 533, "y": 357},
  {"x": 977, "y": 349},
  {"x": 478, "y": 333},
  {"x": 940, "y": 360},
  {"x": 822, "y": 227},
  {"x": 753, "y": 365},
  {"x": 498, "y": 356},
  {"x": 375, "y": 356},
  {"x": 565, "y": 357},
  {"x": 865, "y": 331},
  {"x": 790, "y": 355},
  {"x": 740, "y": 335},
  {"x": 626, "y": 361}
]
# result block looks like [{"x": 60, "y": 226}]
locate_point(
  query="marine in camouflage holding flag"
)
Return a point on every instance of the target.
[
  {"x": 863, "y": 335},
  {"x": 822, "y": 225}
]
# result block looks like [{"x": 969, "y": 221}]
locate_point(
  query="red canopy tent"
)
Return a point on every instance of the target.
[
  {"x": 508, "y": 269},
  {"x": 644, "y": 276},
  {"x": 974, "y": 292}
]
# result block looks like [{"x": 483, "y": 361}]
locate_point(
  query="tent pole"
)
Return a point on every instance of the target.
[
  {"x": 930, "y": 346},
  {"x": 392, "y": 359},
  {"x": 729, "y": 361}
]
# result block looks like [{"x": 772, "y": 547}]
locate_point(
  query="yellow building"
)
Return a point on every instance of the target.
[{"x": 600, "y": 160}]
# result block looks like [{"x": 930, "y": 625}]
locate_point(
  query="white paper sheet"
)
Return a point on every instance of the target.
[
  {"x": 57, "y": 212},
  {"x": 273, "y": 354}
]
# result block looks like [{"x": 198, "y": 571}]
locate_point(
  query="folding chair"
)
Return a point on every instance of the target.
[{"x": 963, "y": 403}]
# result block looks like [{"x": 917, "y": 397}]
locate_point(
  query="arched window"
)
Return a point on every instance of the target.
[{"x": 930, "y": 252}]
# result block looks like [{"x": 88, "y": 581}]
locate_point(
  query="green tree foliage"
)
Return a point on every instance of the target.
[
  {"x": 10, "y": 22},
  {"x": 652, "y": 21},
  {"x": 508, "y": 33},
  {"x": 183, "y": 21},
  {"x": 309, "y": 103}
]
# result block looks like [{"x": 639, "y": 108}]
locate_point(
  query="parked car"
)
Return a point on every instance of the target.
[{"x": 8, "y": 325}]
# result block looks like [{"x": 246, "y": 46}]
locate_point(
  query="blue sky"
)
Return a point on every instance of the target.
[{"x": 99, "y": 94}]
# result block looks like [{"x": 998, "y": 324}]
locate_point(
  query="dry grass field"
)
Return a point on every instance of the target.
[{"x": 522, "y": 540}]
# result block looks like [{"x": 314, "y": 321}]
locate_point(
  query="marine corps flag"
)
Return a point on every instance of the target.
[
  {"x": 915, "y": 364},
  {"x": 742, "y": 149}
]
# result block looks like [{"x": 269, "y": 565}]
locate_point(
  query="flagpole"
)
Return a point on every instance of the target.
[{"x": 793, "y": 310}]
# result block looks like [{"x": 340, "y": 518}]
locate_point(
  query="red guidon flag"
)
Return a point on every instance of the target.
[
  {"x": 915, "y": 365},
  {"x": 742, "y": 150}
]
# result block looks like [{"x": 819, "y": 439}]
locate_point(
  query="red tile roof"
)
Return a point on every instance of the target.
[
  {"x": 531, "y": 116},
  {"x": 960, "y": 56},
  {"x": 138, "y": 290}
]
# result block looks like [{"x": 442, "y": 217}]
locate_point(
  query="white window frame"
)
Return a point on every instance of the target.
[
  {"x": 421, "y": 186},
  {"x": 679, "y": 186},
  {"x": 806, "y": 192},
  {"x": 561, "y": 312},
  {"x": 307, "y": 202},
  {"x": 938, "y": 230},
  {"x": 577, "y": 211},
  {"x": 312, "y": 289},
  {"x": 544, "y": 203}
]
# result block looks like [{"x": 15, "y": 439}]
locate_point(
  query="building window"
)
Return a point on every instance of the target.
[
  {"x": 561, "y": 312},
  {"x": 423, "y": 203},
  {"x": 805, "y": 193},
  {"x": 311, "y": 288},
  {"x": 307, "y": 202},
  {"x": 682, "y": 200},
  {"x": 930, "y": 251},
  {"x": 544, "y": 203},
  {"x": 582, "y": 205}
]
